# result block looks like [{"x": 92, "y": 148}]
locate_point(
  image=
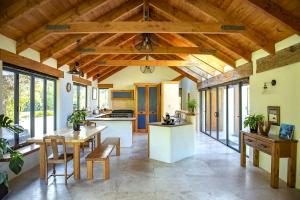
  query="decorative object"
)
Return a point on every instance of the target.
[
  {"x": 147, "y": 69},
  {"x": 264, "y": 128},
  {"x": 168, "y": 120},
  {"x": 16, "y": 162},
  {"x": 252, "y": 122},
  {"x": 286, "y": 131},
  {"x": 273, "y": 83},
  {"x": 192, "y": 104},
  {"x": 77, "y": 118},
  {"x": 68, "y": 87},
  {"x": 74, "y": 70},
  {"x": 94, "y": 94},
  {"x": 274, "y": 115}
]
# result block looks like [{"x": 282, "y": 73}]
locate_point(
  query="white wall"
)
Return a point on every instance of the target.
[{"x": 170, "y": 98}]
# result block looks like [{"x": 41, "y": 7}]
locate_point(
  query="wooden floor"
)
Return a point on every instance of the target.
[{"x": 213, "y": 173}]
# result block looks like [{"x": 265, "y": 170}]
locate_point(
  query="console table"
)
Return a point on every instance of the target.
[{"x": 277, "y": 148}]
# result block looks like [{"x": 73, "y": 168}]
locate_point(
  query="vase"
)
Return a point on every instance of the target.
[
  {"x": 3, "y": 190},
  {"x": 76, "y": 127},
  {"x": 254, "y": 130},
  {"x": 264, "y": 128}
]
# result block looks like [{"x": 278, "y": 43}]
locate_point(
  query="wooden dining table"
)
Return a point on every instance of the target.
[{"x": 73, "y": 139}]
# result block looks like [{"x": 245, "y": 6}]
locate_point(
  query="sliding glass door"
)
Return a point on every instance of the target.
[{"x": 223, "y": 109}]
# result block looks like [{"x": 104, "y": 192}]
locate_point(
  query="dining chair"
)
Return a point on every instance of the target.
[{"x": 56, "y": 156}]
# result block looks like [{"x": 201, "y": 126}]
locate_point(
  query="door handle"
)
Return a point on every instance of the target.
[{"x": 216, "y": 114}]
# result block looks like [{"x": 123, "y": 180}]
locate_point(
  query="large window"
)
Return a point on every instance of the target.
[
  {"x": 79, "y": 96},
  {"x": 29, "y": 100},
  {"x": 103, "y": 98}
]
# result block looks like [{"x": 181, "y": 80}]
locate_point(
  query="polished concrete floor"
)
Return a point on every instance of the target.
[{"x": 213, "y": 173}]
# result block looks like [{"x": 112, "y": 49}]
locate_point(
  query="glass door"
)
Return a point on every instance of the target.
[
  {"x": 141, "y": 109},
  {"x": 234, "y": 116},
  {"x": 203, "y": 111},
  {"x": 39, "y": 106},
  {"x": 153, "y": 104},
  {"x": 214, "y": 113},
  {"x": 222, "y": 111},
  {"x": 208, "y": 113}
]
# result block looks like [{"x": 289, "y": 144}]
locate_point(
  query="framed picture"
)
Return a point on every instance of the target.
[
  {"x": 274, "y": 115},
  {"x": 286, "y": 131},
  {"x": 94, "y": 94}
]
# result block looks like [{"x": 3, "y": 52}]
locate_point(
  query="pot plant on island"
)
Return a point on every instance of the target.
[
  {"x": 16, "y": 159},
  {"x": 252, "y": 121},
  {"x": 192, "y": 104},
  {"x": 77, "y": 118}
]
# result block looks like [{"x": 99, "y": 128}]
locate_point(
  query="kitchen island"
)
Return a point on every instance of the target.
[
  {"x": 171, "y": 143},
  {"x": 116, "y": 127}
]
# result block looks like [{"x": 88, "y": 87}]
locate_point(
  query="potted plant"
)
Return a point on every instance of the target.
[
  {"x": 77, "y": 118},
  {"x": 192, "y": 104},
  {"x": 252, "y": 121},
  {"x": 16, "y": 159}
]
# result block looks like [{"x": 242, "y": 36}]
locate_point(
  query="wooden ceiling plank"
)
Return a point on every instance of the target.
[
  {"x": 110, "y": 73},
  {"x": 179, "y": 78},
  {"x": 221, "y": 16},
  {"x": 113, "y": 15},
  {"x": 147, "y": 27},
  {"x": 19, "y": 9},
  {"x": 182, "y": 72},
  {"x": 71, "y": 15},
  {"x": 278, "y": 13},
  {"x": 178, "y": 15}
]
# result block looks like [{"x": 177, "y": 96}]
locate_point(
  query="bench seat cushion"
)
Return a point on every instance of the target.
[{"x": 100, "y": 153}]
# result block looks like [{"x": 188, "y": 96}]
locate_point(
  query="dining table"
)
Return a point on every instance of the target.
[{"x": 73, "y": 139}]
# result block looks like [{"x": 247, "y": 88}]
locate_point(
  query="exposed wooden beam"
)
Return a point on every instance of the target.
[
  {"x": 76, "y": 13},
  {"x": 27, "y": 63},
  {"x": 110, "y": 73},
  {"x": 158, "y": 50},
  {"x": 160, "y": 63},
  {"x": 18, "y": 9},
  {"x": 70, "y": 41},
  {"x": 179, "y": 78},
  {"x": 80, "y": 80},
  {"x": 144, "y": 27},
  {"x": 239, "y": 73},
  {"x": 105, "y": 86},
  {"x": 186, "y": 74},
  {"x": 222, "y": 17},
  {"x": 282, "y": 58},
  {"x": 276, "y": 12}
]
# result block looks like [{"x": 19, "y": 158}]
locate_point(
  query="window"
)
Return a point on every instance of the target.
[
  {"x": 103, "y": 98},
  {"x": 29, "y": 100},
  {"x": 79, "y": 96}
]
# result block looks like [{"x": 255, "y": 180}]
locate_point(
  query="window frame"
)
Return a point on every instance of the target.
[
  {"x": 78, "y": 94},
  {"x": 32, "y": 74}
]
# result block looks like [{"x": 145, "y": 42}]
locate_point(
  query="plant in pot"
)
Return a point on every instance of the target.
[
  {"x": 77, "y": 118},
  {"x": 16, "y": 159},
  {"x": 192, "y": 104},
  {"x": 252, "y": 121}
]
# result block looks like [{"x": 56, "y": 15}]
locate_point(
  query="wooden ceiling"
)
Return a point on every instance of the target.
[{"x": 190, "y": 36}]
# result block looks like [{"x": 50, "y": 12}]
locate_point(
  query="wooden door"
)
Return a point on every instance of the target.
[{"x": 141, "y": 109}]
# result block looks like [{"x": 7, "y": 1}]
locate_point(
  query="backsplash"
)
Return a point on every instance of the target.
[{"x": 122, "y": 104}]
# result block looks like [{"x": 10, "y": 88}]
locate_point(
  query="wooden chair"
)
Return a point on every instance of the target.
[{"x": 57, "y": 157}]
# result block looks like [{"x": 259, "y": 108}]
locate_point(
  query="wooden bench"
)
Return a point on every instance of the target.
[
  {"x": 99, "y": 154},
  {"x": 113, "y": 141}
]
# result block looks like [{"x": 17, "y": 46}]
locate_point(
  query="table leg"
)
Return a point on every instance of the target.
[
  {"x": 42, "y": 161},
  {"x": 76, "y": 161},
  {"x": 291, "y": 178},
  {"x": 243, "y": 152},
  {"x": 98, "y": 139},
  {"x": 275, "y": 166},
  {"x": 255, "y": 157}
]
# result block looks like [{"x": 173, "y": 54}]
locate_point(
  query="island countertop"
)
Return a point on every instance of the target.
[
  {"x": 175, "y": 125},
  {"x": 93, "y": 118}
]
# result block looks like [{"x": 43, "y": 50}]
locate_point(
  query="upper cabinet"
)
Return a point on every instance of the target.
[{"x": 122, "y": 94}]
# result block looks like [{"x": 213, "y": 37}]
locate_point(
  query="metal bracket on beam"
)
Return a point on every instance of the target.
[
  {"x": 233, "y": 27},
  {"x": 58, "y": 27}
]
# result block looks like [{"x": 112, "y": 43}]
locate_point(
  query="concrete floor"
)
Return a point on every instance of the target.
[{"x": 213, "y": 173}]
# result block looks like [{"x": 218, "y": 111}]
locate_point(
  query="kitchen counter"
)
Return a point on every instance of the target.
[
  {"x": 101, "y": 118},
  {"x": 165, "y": 125},
  {"x": 171, "y": 143}
]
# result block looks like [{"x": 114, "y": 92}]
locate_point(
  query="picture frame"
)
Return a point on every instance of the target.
[
  {"x": 94, "y": 93},
  {"x": 286, "y": 131},
  {"x": 274, "y": 115}
]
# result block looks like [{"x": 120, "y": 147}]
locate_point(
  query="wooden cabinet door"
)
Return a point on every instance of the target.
[{"x": 141, "y": 109}]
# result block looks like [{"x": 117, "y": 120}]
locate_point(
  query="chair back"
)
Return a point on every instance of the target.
[{"x": 54, "y": 142}]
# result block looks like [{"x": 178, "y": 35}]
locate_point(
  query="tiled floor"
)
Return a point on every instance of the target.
[{"x": 213, "y": 173}]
